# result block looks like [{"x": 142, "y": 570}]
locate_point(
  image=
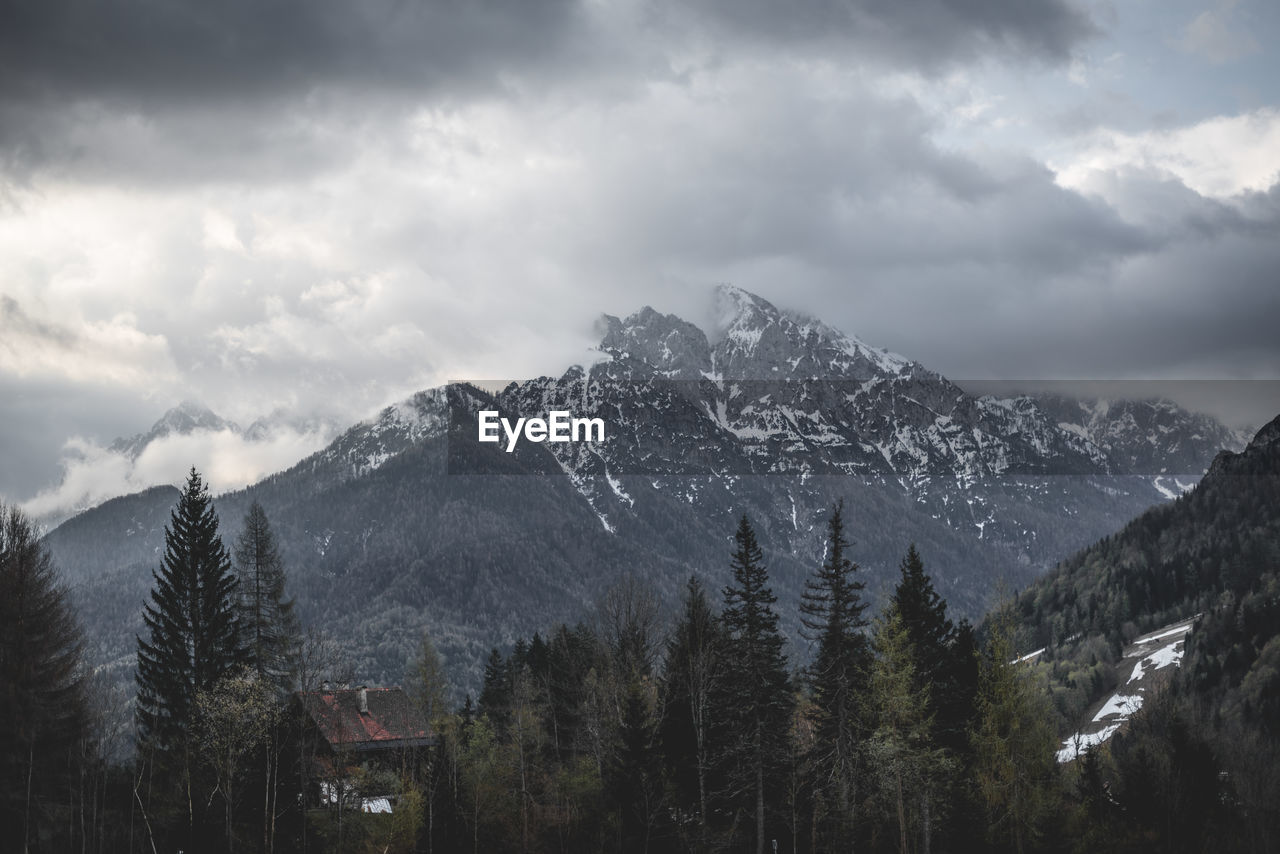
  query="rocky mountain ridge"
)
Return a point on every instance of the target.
[{"x": 405, "y": 522}]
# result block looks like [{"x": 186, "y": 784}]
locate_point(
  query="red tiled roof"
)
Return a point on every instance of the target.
[{"x": 390, "y": 722}]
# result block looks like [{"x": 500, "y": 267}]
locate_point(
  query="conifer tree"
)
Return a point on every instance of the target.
[
  {"x": 43, "y": 708},
  {"x": 924, "y": 617},
  {"x": 194, "y": 634},
  {"x": 691, "y": 676},
  {"x": 832, "y": 615},
  {"x": 903, "y": 758},
  {"x": 1013, "y": 744},
  {"x": 946, "y": 665},
  {"x": 757, "y": 694},
  {"x": 270, "y": 627},
  {"x": 495, "y": 695}
]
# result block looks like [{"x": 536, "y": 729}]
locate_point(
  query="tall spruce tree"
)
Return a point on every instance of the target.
[
  {"x": 946, "y": 664},
  {"x": 495, "y": 695},
  {"x": 758, "y": 697},
  {"x": 192, "y": 624},
  {"x": 924, "y": 617},
  {"x": 832, "y": 615},
  {"x": 43, "y": 708},
  {"x": 691, "y": 676},
  {"x": 270, "y": 627}
]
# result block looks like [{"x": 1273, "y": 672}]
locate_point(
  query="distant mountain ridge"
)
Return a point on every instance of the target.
[
  {"x": 185, "y": 418},
  {"x": 405, "y": 522}
]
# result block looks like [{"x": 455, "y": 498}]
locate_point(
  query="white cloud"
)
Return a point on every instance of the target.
[
  {"x": 1217, "y": 158},
  {"x": 227, "y": 460},
  {"x": 111, "y": 351}
]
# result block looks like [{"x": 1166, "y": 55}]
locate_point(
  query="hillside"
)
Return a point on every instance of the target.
[
  {"x": 1210, "y": 561},
  {"x": 405, "y": 523}
]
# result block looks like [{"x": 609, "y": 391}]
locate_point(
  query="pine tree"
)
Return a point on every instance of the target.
[
  {"x": 1013, "y": 743},
  {"x": 924, "y": 617},
  {"x": 758, "y": 698},
  {"x": 270, "y": 627},
  {"x": 903, "y": 757},
  {"x": 191, "y": 621},
  {"x": 43, "y": 708},
  {"x": 636, "y": 773},
  {"x": 832, "y": 614},
  {"x": 495, "y": 694},
  {"x": 691, "y": 677},
  {"x": 945, "y": 661}
]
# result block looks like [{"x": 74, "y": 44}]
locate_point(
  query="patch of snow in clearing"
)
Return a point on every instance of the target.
[
  {"x": 1119, "y": 704},
  {"x": 616, "y": 486},
  {"x": 1177, "y": 630},
  {"x": 1079, "y": 744},
  {"x": 1164, "y": 490},
  {"x": 1157, "y": 660}
]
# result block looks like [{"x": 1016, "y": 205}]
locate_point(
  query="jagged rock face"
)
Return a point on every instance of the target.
[
  {"x": 405, "y": 522},
  {"x": 781, "y": 393},
  {"x": 1260, "y": 458},
  {"x": 1144, "y": 436},
  {"x": 669, "y": 346},
  {"x": 186, "y": 417},
  {"x": 762, "y": 343}
]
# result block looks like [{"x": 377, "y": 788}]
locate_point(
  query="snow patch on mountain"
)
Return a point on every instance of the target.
[{"x": 1155, "y": 651}]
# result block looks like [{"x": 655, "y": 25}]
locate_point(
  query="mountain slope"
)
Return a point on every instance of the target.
[
  {"x": 406, "y": 522},
  {"x": 1210, "y": 560}
]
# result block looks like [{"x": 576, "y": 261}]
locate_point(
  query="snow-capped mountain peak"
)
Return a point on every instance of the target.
[
  {"x": 185, "y": 418},
  {"x": 759, "y": 341}
]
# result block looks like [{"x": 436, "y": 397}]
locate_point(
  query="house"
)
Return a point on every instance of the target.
[{"x": 360, "y": 743}]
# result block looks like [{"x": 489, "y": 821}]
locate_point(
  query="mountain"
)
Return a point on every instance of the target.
[
  {"x": 405, "y": 521},
  {"x": 1208, "y": 564},
  {"x": 185, "y": 418},
  {"x": 1151, "y": 436}
]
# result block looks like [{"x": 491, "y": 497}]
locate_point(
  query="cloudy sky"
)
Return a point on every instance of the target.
[{"x": 315, "y": 207}]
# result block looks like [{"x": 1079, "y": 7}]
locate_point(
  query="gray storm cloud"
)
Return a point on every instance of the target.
[{"x": 325, "y": 206}]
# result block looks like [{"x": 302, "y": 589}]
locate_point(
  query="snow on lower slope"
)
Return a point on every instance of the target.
[{"x": 1154, "y": 651}]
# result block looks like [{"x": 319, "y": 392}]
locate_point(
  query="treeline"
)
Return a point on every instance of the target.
[
  {"x": 615, "y": 735},
  {"x": 1199, "y": 767},
  {"x": 899, "y": 731},
  {"x": 1207, "y": 548},
  {"x": 216, "y": 751}
]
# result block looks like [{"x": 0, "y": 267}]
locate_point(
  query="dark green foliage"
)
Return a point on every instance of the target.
[
  {"x": 1169, "y": 784},
  {"x": 924, "y": 617},
  {"x": 1173, "y": 561},
  {"x": 832, "y": 610},
  {"x": 757, "y": 698},
  {"x": 271, "y": 630},
  {"x": 635, "y": 779},
  {"x": 495, "y": 697},
  {"x": 692, "y": 677},
  {"x": 194, "y": 634},
  {"x": 1013, "y": 744},
  {"x": 44, "y": 717}
]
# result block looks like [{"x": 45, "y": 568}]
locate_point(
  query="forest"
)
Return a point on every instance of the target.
[{"x": 637, "y": 729}]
